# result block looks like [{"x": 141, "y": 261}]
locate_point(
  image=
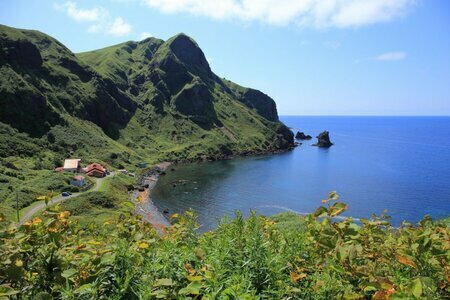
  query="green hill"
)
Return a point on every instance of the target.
[{"x": 150, "y": 101}]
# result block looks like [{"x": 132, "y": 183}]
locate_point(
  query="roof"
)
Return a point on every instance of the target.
[
  {"x": 71, "y": 163},
  {"x": 79, "y": 177},
  {"x": 94, "y": 166}
]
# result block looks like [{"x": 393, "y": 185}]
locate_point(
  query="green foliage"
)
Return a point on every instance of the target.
[
  {"x": 150, "y": 101},
  {"x": 255, "y": 258}
]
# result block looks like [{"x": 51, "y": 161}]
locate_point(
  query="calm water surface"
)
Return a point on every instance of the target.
[{"x": 401, "y": 164}]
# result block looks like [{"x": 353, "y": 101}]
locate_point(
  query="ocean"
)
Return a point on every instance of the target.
[{"x": 398, "y": 164}]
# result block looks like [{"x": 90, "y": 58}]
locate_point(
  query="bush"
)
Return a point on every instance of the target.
[{"x": 254, "y": 258}]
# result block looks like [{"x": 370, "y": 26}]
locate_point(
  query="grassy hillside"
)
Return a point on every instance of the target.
[
  {"x": 284, "y": 257},
  {"x": 149, "y": 101}
]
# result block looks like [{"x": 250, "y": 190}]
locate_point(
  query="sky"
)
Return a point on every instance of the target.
[{"x": 314, "y": 57}]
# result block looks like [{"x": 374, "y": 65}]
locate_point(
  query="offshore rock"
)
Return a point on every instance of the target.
[
  {"x": 301, "y": 136},
  {"x": 323, "y": 140}
]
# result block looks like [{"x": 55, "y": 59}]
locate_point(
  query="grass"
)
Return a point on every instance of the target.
[
  {"x": 283, "y": 257},
  {"x": 135, "y": 94},
  {"x": 109, "y": 202}
]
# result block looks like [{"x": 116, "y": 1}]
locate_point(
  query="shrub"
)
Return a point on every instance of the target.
[{"x": 317, "y": 257}]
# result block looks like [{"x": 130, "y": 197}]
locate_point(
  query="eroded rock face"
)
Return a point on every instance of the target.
[
  {"x": 190, "y": 54},
  {"x": 301, "y": 136},
  {"x": 21, "y": 52},
  {"x": 194, "y": 100},
  {"x": 285, "y": 137},
  {"x": 323, "y": 140},
  {"x": 264, "y": 105}
]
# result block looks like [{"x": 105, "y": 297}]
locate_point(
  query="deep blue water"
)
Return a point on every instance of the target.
[{"x": 401, "y": 164}]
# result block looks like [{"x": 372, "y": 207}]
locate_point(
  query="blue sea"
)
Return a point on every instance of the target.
[{"x": 398, "y": 164}]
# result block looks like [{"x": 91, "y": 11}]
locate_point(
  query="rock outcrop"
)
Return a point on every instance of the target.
[
  {"x": 301, "y": 136},
  {"x": 323, "y": 140}
]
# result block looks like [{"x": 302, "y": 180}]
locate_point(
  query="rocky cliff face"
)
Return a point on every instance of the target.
[
  {"x": 161, "y": 91},
  {"x": 41, "y": 79}
]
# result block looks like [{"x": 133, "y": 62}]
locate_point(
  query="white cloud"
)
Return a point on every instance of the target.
[
  {"x": 391, "y": 56},
  {"x": 312, "y": 13},
  {"x": 100, "y": 19},
  {"x": 79, "y": 14},
  {"x": 119, "y": 27},
  {"x": 144, "y": 35}
]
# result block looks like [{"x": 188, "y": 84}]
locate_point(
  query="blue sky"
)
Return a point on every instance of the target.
[{"x": 314, "y": 57}]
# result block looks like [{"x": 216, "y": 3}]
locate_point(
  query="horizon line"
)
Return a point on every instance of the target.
[{"x": 325, "y": 115}]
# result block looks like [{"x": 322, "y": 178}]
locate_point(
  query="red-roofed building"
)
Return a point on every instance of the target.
[{"x": 95, "y": 170}]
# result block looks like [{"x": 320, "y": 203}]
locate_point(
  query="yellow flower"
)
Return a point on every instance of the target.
[
  {"x": 174, "y": 216},
  {"x": 19, "y": 263},
  {"x": 36, "y": 221},
  {"x": 63, "y": 215},
  {"x": 143, "y": 245}
]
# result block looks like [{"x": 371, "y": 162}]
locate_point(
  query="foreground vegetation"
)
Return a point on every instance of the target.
[{"x": 284, "y": 257}]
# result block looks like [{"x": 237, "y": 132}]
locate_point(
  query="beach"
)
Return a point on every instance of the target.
[{"x": 144, "y": 205}]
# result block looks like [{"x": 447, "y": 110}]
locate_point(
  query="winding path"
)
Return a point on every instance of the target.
[{"x": 60, "y": 198}]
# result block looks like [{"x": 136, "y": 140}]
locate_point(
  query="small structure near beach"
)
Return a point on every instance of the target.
[
  {"x": 72, "y": 165},
  {"x": 78, "y": 180},
  {"x": 95, "y": 170}
]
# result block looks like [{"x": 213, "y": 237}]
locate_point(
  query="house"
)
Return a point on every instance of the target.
[
  {"x": 95, "y": 170},
  {"x": 72, "y": 165},
  {"x": 78, "y": 180}
]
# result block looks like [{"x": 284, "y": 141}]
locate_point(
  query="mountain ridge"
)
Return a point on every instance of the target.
[{"x": 149, "y": 100}]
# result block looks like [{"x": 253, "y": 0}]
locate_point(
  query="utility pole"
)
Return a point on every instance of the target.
[{"x": 17, "y": 206}]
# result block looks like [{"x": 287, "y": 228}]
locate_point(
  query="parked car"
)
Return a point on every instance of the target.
[{"x": 66, "y": 194}]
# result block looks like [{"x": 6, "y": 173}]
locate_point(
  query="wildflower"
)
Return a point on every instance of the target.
[
  {"x": 18, "y": 263},
  {"x": 143, "y": 245},
  {"x": 36, "y": 221},
  {"x": 63, "y": 215}
]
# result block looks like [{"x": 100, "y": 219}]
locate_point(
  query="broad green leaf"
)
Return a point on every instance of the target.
[
  {"x": 416, "y": 287},
  {"x": 85, "y": 288},
  {"x": 68, "y": 273},
  {"x": 7, "y": 291},
  {"x": 192, "y": 289},
  {"x": 336, "y": 209},
  {"x": 163, "y": 282},
  {"x": 194, "y": 278},
  {"x": 320, "y": 212}
]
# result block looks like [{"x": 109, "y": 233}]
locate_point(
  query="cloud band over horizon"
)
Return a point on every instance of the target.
[{"x": 307, "y": 13}]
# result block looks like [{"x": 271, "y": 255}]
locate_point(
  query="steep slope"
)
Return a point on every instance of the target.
[
  {"x": 148, "y": 101},
  {"x": 41, "y": 80},
  {"x": 174, "y": 86}
]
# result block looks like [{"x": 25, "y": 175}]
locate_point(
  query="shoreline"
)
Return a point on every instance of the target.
[
  {"x": 141, "y": 197},
  {"x": 146, "y": 182}
]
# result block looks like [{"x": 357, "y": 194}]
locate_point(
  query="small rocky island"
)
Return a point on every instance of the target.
[
  {"x": 301, "y": 136},
  {"x": 323, "y": 140}
]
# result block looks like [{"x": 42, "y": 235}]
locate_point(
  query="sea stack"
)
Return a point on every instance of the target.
[
  {"x": 301, "y": 136},
  {"x": 323, "y": 140}
]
